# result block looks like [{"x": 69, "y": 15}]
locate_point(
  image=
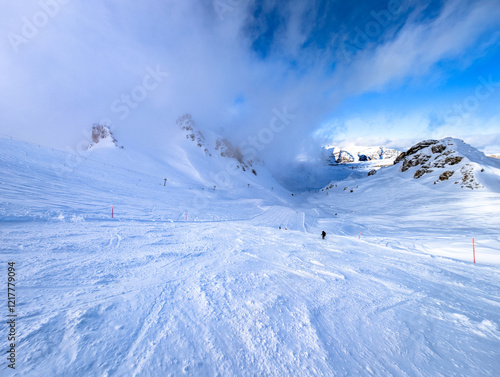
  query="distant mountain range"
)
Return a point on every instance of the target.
[
  {"x": 354, "y": 154},
  {"x": 447, "y": 163}
]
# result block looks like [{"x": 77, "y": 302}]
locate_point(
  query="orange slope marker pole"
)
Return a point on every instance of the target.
[
  {"x": 359, "y": 235},
  {"x": 474, "y": 250},
  {"x": 112, "y": 211}
]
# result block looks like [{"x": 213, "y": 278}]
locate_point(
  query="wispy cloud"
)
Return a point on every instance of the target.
[
  {"x": 418, "y": 46},
  {"x": 230, "y": 72}
]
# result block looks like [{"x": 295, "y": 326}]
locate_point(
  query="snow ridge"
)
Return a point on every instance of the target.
[
  {"x": 187, "y": 279},
  {"x": 448, "y": 160}
]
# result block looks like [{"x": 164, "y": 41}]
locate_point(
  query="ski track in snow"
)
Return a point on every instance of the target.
[
  {"x": 186, "y": 299},
  {"x": 229, "y": 293}
]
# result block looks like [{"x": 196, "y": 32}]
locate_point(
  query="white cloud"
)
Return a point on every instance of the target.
[
  {"x": 418, "y": 46},
  {"x": 91, "y": 53},
  {"x": 401, "y": 132}
]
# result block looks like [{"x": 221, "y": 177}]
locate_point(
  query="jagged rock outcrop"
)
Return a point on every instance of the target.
[
  {"x": 359, "y": 154},
  {"x": 414, "y": 149},
  {"x": 227, "y": 149},
  {"x": 223, "y": 147},
  {"x": 343, "y": 157},
  {"x": 186, "y": 123},
  {"x": 363, "y": 158},
  {"x": 102, "y": 136},
  {"x": 431, "y": 156},
  {"x": 445, "y": 164}
]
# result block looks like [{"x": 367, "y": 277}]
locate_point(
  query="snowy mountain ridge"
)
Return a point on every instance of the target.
[
  {"x": 190, "y": 161},
  {"x": 215, "y": 145},
  {"x": 448, "y": 164},
  {"x": 124, "y": 273},
  {"x": 354, "y": 154},
  {"x": 102, "y": 137},
  {"x": 450, "y": 160}
]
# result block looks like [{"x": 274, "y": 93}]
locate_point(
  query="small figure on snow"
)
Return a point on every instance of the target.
[{"x": 323, "y": 234}]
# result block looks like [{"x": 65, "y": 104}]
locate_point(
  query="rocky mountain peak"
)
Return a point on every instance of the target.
[{"x": 442, "y": 160}]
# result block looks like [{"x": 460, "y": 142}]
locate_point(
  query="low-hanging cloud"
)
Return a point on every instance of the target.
[{"x": 231, "y": 64}]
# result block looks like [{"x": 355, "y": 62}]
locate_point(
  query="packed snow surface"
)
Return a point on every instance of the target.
[{"x": 188, "y": 280}]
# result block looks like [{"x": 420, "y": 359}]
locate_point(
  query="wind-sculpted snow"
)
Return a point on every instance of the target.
[{"x": 171, "y": 288}]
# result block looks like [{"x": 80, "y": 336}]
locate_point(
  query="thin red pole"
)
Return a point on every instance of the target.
[
  {"x": 112, "y": 211},
  {"x": 359, "y": 235},
  {"x": 474, "y": 250}
]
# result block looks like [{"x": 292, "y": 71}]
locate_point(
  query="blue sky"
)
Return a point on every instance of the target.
[{"x": 366, "y": 72}]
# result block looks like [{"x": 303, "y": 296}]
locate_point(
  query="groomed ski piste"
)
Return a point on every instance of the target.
[{"x": 188, "y": 279}]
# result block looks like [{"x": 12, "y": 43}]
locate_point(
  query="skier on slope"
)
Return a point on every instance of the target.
[{"x": 323, "y": 234}]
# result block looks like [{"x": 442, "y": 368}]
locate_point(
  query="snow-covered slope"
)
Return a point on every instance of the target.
[
  {"x": 335, "y": 164},
  {"x": 452, "y": 161},
  {"x": 414, "y": 199},
  {"x": 188, "y": 280},
  {"x": 87, "y": 184}
]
